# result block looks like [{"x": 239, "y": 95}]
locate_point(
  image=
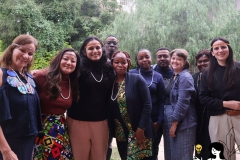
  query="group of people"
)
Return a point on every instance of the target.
[{"x": 104, "y": 98}]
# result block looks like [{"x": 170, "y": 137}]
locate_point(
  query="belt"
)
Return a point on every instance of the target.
[{"x": 232, "y": 112}]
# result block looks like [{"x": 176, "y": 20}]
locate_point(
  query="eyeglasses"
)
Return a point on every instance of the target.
[{"x": 112, "y": 42}]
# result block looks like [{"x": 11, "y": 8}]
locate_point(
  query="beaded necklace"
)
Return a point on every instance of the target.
[
  {"x": 69, "y": 93},
  {"x": 95, "y": 78},
  {"x": 14, "y": 80},
  {"x": 113, "y": 99}
]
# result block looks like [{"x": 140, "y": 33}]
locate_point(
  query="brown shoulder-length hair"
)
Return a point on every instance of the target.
[
  {"x": 181, "y": 53},
  {"x": 6, "y": 58},
  {"x": 54, "y": 76}
]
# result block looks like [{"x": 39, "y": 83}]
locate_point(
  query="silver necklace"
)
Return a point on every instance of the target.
[
  {"x": 96, "y": 79},
  {"x": 113, "y": 99},
  {"x": 152, "y": 77},
  {"x": 69, "y": 93}
]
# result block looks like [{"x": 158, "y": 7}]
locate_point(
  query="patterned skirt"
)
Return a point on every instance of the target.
[{"x": 53, "y": 142}]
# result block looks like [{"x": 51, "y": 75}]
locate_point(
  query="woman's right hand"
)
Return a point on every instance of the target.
[
  {"x": 9, "y": 155},
  {"x": 235, "y": 105}
]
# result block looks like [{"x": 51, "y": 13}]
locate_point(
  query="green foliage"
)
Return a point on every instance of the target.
[
  {"x": 21, "y": 17},
  {"x": 188, "y": 24},
  {"x": 55, "y": 24},
  {"x": 43, "y": 60},
  {"x": 93, "y": 17}
]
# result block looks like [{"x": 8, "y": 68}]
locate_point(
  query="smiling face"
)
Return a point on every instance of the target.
[
  {"x": 22, "y": 55},
  {"x": 120, "y": 63},
  {"x": 177, "y": 63},
  {"x": 220, "y": 51},
  {"x": 202, "y": 63},
  {"x": 93, "y": 50},
  {"x": 68, "y": 63},
  {"x": 163, "y": 58},
  {"x": 144, "y": 59}
]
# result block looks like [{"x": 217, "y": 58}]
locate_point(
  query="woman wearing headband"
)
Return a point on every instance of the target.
[
  {"x": 219, "y": 91},
  {"x": 87, "y": 119},
  {"x": 20, "y": 117},
  {"x": 130, "y": 111}
]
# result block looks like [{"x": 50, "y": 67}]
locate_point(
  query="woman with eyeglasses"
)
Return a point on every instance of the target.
[
  {"x": 20, "y": 115},
  {"x": 156, "y": 87},
  {"x": 202, "y": 60},
  {"x": 130, "y": 111},
  {"x": 219, "y": 91},
  {"x": 87, "y": 118}
]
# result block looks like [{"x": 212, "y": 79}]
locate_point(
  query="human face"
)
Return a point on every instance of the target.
[
  {"x": 144, "y": 59},
  {"x": 93, "y": 50},
  {"x": 111, "y": 45},
  {"x": 120, "y": 63},
  {"x": 202, "y": 63},
  {"x": 68, "y": 63},
  {"x": 215, "y": 152},
  {"x": 177, "y": 63},
  {"x": 163, "y": 58},
  {"x": 220, "y": 51},
  {"x": 22, "y": 56}
]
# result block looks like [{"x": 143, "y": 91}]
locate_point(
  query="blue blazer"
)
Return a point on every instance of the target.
[
  {"x": 182, "y": 98},
  {"x": 139, "y": 104}
]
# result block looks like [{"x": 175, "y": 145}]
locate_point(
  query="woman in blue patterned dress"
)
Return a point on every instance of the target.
[
  {"x": 20, "y": 117},
  {"x": 130, "y": 111}
]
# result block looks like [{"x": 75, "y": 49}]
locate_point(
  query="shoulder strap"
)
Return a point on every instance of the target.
[{"x": 154, "y": 66}]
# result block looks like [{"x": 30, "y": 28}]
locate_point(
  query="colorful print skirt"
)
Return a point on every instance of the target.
[
  {"x": 124, "y": 131},
  {"x": 53, "y": 142}
]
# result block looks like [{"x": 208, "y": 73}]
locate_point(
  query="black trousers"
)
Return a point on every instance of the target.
[
  {"x": 156, "y": 142},
  {"x": 21, "y": 146}
]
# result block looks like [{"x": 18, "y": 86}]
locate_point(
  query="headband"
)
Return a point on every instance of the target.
[
  {"x": 220, "y": 44},
  {"x": 93, "y": 43}
]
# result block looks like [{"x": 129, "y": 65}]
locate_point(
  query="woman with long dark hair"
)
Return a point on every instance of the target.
[
  {"x": 57, "y": 87},
  {"x": 87, "y": 119},
  {"x": 219, "y": 91}
]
